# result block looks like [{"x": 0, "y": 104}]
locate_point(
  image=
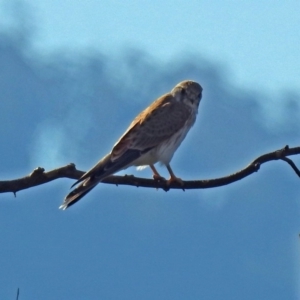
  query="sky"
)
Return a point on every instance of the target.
[
  {"x": 72, "y": 77},
  {"x": 257, "y": 43}
]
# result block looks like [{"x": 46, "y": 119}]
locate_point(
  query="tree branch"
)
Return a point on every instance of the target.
[{"x": 39, "y": 176}]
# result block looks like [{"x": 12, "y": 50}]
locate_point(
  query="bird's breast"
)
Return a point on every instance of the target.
[{"x": 165, "y": 150}]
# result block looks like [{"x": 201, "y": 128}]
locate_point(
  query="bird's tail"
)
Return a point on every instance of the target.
[
  {"x": 105, "y": 167},
  {"x": 78, "y": 193},
  {"x": 88, "y": 181}
]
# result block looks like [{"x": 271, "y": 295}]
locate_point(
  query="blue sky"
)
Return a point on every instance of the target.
[
  {"x": 257, "y": 43},
  {"x": 74, "y": 74}
]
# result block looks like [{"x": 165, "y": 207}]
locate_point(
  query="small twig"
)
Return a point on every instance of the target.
[
  {"x": 292, "y": 164},
  {"x": 18, "y": 292}
]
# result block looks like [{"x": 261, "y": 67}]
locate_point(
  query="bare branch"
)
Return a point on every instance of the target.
[
  {"x": 39, "y": 176},
  {"x": 292, "y": 164}
]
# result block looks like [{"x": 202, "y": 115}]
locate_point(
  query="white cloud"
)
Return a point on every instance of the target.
[{"x": 47, "y": 146}]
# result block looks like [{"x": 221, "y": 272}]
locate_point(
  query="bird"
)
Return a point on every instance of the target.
[{"x": 153, "y": 136}]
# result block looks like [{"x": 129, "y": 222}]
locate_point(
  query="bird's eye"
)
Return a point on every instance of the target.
[{"x": 182, "y": 92}]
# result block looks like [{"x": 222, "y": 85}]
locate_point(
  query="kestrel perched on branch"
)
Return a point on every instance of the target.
[{"x": 153, "y": 136}]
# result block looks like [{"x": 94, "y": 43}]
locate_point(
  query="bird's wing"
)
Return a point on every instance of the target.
[
  {"x": 162, "y": 119},
  {"x": 106, "y": 166}
]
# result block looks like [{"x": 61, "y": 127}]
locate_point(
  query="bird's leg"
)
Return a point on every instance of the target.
[
  {"x": 156, "y": 175},
  {"x": 173, "y": 178}
]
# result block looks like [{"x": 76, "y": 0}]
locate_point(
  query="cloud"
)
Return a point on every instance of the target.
[
  {"x": 279, "y": 114},
  {"x": 47, "y": 146}
]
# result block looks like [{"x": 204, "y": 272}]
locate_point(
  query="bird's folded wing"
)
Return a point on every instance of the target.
[
  {"x": 106, "y": 167},
  {"x": 157, "y": 123}
]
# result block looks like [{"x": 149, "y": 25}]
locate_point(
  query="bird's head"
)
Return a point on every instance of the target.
[{"x": 189, "y": 92}]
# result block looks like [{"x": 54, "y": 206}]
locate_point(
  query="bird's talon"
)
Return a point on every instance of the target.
[
  {"x": 158, "y": 178},
  {"x": 177, "y": 181}
]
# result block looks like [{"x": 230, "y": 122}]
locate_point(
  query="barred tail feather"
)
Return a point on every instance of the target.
[
  {"x": 77, "y": 194},
  {"x": 104, "y": 168}
]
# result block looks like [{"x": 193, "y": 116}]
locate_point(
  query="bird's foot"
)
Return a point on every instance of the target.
[
  {"x": 157, "y": 177},
  {"x": 176, "y": 180}
]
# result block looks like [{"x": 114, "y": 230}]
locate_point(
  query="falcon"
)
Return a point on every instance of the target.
[{"x": 153, "y": 136}]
